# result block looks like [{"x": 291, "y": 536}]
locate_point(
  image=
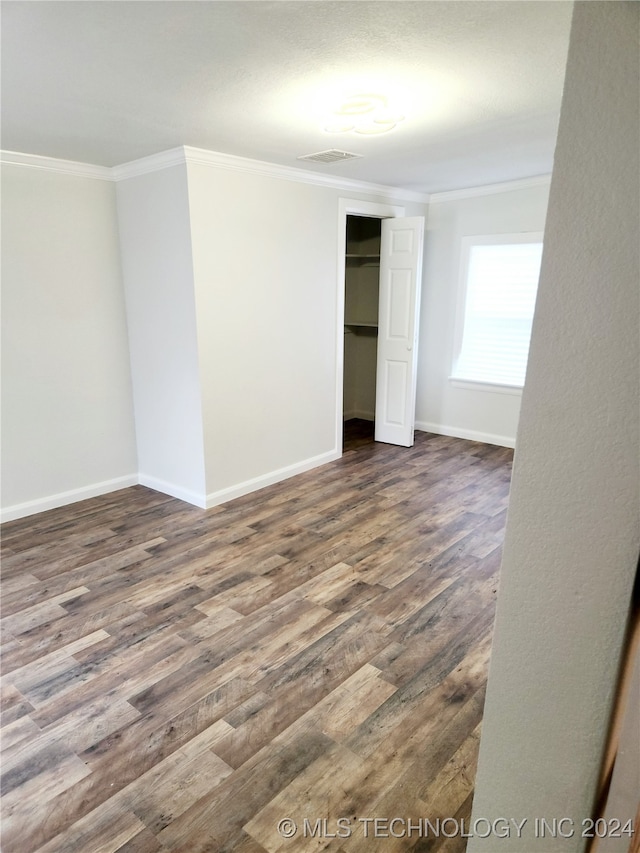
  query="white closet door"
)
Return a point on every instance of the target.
[{"x": 400, "y": 280}]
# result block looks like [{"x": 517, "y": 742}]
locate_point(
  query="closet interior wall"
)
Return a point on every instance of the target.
[{"x": 362, "y": 279}]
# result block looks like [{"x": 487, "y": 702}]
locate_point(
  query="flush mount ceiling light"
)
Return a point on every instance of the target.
[{"x": 367, "y": 114}]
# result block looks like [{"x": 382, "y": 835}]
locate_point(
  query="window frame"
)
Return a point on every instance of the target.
[{"x": 466, "y": 245}]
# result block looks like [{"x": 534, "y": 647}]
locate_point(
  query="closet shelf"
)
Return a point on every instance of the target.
[
  {"x": 354, "y": 325},
  {"x": 362, "y": 260}
]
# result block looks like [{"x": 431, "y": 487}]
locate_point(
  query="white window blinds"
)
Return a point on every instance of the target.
[{"x": 500, "y": 281}]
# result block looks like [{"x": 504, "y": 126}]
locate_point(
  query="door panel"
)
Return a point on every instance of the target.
[
  {"x": 395, "y": 392},
  {"x": 400, "y": 280},
  {"x": 400, "y": 304}
]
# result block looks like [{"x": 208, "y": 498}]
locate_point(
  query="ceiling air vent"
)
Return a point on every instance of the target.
[{"x": 330, "y": 156}]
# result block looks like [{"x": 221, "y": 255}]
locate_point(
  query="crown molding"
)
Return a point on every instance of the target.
[
  {"x": 186, "y": 154},
  {"x": 152, "y": 163},
  {"x": 52, "y": 164},
  {"x": 291, "y": 173},
  {"x": 492, "y": 189},
  {"x": 199, "y": 156}
]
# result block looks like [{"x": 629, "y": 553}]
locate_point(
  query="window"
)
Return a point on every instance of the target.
[{"x": 497, "y": 298}]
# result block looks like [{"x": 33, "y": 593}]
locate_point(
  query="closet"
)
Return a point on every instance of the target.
[
  {"x": 362, "y": 284},
  {"x": 383, "y": 267}
]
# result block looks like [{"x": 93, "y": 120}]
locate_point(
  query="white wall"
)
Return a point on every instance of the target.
[
  {"x": 230, "y": 281},
  {"x": 265, "y": 255},
  {"x": 265, "y": 268},
  {"x": 67, "y": 419},
  {"x": 572, "y": 535},
  {"x": 155, "y": 238},
  {"x": 482, "y": 415}
]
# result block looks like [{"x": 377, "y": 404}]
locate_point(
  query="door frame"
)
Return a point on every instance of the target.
[{"x": 350, "y": 207}]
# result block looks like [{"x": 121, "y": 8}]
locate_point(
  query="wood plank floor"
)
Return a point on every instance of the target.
[{"x": 176, "y": 679}]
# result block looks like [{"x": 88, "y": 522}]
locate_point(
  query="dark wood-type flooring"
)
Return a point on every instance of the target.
[{"x": 175, "y": 679}]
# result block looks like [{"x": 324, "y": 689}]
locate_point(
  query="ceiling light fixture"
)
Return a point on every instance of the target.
[{"x": 367, "y": 114}]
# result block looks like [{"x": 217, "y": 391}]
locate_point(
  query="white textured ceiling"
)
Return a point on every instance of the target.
[{"x": 109, "y": 82}]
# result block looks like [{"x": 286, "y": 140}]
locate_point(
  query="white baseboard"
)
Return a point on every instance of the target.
[
  {"x": 222, "y": 495},
  {"x": 196, "y": 499},
  {"x": 469, "y": 434},
  {"x": 228, "y": 494},
  {"x": 158, "y": 485},
  {"x": 63, "y": 498}
]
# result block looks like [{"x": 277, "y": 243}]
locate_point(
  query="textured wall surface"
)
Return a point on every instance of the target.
[{"x": 572, "y": 535}]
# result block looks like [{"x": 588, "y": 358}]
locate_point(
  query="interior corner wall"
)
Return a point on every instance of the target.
[
  {"x": 572, "y": 537},
  {"x": 67, "y": 416},
  {"x": 153, "y": 211},
  {"x": 481, "y": 415},
  {"x": 265, "y": 266}
]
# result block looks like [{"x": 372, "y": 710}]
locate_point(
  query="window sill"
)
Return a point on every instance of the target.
[{"x": 476, "y": 385}]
